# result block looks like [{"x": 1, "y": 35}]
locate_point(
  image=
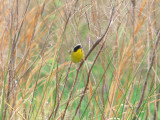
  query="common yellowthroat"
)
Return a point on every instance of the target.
[{"x": 77, "y": 54}]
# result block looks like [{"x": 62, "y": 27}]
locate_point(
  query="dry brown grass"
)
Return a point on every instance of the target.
[{"x": 118, "y": 79}]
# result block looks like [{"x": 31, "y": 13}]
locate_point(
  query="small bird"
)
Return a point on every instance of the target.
[{"x": 77, "y": 54}]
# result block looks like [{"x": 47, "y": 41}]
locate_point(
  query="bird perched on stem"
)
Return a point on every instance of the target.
[{"x": 77, "y": 54}]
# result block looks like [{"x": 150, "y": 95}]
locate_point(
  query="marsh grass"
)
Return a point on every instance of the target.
[{"x": 118, "y": 79}]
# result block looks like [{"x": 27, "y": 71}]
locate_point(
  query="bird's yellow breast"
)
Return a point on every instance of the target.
[{"x": 77, "y": 56}]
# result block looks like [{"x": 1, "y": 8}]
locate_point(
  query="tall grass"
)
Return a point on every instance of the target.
[{"x": 118, "y": 78}]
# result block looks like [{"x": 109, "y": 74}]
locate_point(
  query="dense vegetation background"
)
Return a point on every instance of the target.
[{"x": 119, "y": 78}]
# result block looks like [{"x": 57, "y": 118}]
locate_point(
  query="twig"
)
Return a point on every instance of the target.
[
  {"x": 157, "y": 105},
  {"x": 88, "y": 78},
  {"x": 148, "y": 73},
  {"x": 36, "y": 82},
  {"x": 65, "y": 82},
  {"x": 102, "y": 78},
  {"x": 93, "y": 47}
]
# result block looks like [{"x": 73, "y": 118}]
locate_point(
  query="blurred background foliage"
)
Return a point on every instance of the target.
[{"x": 35, "y": 77}]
